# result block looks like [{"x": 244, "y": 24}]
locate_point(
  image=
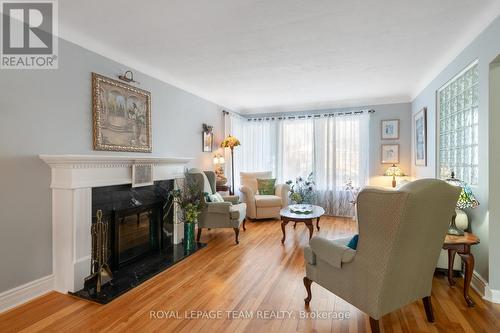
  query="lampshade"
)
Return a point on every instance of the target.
[
  {"x": 467, "y": 198},
  {"x": 230, "y": 142},
  {"x": 394, "y": 171}
]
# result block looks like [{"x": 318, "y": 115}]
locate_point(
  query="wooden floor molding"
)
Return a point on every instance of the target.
[{"x": 256, "y": 276}]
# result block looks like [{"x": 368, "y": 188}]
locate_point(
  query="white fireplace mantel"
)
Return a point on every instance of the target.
[
  {"x": 81, "y": 171},
  {"x": 73, "y": 177}
]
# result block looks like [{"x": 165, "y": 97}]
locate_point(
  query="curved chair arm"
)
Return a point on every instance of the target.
[
  {"x": 219, "y": 207},
  {"x": 334, "y": 252},
  {"x": 281, "y": 190},
  {"x": 234, "y": 199},
  {"x": 248, "y": 197}
]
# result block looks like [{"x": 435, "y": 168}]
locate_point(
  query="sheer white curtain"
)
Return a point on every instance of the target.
[
  {"x": 259, "y": 146},
  {"x": 334, "y": 148},
  {"x": 341, "y": 155}
]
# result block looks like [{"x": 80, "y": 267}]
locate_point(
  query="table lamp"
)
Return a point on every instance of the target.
[
  {"x": 394, "y": 171},
  {"x": 465, "y": 200},
  {"x": 231, "y": 142},
  {"x": 219, "y": 171}
]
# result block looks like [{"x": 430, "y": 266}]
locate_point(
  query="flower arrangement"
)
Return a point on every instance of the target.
[
  {"x": 353, "y": 191},
  {"x": 230, "y": 142},
  {"x": 188, "y": 198},
  {"x": 303, "y": 190}
]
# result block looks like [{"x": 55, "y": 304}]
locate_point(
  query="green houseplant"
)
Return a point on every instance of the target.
[{"x": 188, "y": 198}]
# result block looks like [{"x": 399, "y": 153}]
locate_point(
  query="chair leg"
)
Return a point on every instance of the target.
[
  {"x": 374, "y": 325},
  {"x": 244, "y": 220},
  {"x": 307, "y": 284},
  {"x": 428, "y": 309},
  {"x": 237, "y": 232},
  {"x": 199, "y": 235}
]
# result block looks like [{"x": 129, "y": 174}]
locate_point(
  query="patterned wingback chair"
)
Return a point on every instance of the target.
[
  {"x": 401, "y": 233},
  {"x": 227, "y": 214}
]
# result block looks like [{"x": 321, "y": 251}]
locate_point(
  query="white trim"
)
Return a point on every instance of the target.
[
  {"x": 480, "y": 285},
  {"x": 25, "y": 292},
  {"x": 462, "y": 72}
]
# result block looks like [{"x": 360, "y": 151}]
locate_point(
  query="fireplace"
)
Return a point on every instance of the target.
[
  {"x": 139, "y": 239},
  {"x": 73, "y": 180},
  {"x": 139, "y": 220}
]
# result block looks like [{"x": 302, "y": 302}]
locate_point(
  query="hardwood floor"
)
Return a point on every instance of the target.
[{"x": 260, "y": 274}]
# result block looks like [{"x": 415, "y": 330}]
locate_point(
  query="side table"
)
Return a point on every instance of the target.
[
  {"x": 462, "y": 246},
  {"x": 223, "y": 188}
]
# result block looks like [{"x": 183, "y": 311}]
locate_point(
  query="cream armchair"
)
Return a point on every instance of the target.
[
  {"x": 227, "y": 214},
  {"x": 400, "y": 236},
  {"x": 262, "y": 206}
]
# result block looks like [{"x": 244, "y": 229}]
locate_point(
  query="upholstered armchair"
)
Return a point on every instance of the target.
[
  {"x": 227, "y": 214},
  {"x": 262, "y": 206},
  {"x": 400, "y": 236}
]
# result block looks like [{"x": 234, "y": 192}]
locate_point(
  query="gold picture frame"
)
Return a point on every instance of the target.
[{"x": 121, "y": 116}]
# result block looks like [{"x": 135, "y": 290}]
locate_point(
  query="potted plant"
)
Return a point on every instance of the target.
[{"x": 188, "y": 199}]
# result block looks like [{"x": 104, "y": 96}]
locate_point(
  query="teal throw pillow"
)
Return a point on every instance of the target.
[
  {"x": 353, "y": 243},
  {"x": 266, "y": 186}
]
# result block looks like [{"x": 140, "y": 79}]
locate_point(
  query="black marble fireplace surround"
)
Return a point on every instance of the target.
[{"x": 140, "y": 237}]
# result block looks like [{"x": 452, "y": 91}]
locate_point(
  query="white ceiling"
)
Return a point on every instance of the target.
[{"x": 282, "y": 55}]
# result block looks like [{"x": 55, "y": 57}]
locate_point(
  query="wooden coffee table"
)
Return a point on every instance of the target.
[
  {"x": 288, "y": 216},
  {"x": 461, "y": 245}
]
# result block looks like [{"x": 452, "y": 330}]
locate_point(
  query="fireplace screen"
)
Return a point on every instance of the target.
[{"x": 134, "y": 236}]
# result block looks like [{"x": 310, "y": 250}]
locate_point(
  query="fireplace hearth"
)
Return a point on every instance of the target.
[{"x": 140, "y": 238}]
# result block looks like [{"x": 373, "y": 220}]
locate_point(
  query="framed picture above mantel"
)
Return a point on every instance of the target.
[{"x": 121, "y": 116}]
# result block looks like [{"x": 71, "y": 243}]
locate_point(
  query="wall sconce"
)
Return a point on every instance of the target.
[{"x": 128, "y": 76}]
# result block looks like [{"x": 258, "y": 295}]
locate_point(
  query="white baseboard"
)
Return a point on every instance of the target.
[
  {"x": 26, "y": 292},
  {"x": 481, "y": 286}
]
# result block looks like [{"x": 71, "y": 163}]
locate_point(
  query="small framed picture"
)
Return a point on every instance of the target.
[
  {"x": 142, "y": 175},
  {"x": 420, "y": 137},
  {"x": 390, "y": 129},
  {"x": 208, "y": 138},
  {"x": 390, "y": 154}
]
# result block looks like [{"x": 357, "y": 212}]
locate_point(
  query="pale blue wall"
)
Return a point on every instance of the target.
[
  {"x": 485, "y": 47},
  {"x": 50, "y": 112}
]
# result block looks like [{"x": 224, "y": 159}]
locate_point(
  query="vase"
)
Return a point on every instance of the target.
[{"x": 189, "y": 235}]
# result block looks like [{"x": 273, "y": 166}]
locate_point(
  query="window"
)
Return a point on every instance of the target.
[
  {"x": 458, "y": 102},
  {"x": 333, "y": 147}
]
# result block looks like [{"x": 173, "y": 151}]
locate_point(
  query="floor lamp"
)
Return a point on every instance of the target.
[{"x": 231, "y": 142}]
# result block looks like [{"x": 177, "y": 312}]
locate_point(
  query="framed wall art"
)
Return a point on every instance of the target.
[
  {"x": 390, "y": 129},
  {"x": 208, "y": 138},
  {"x": 142, "y": 175},
  {"x": 121, "y": 115},
  {"x": 390, "y": 154},
  {"x": 420, "y": 137}
]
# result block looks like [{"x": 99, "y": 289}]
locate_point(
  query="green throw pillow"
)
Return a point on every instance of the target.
[{"x": 266, "y": 186}]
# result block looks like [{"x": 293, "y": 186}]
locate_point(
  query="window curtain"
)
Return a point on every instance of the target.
[{"x": 334, "y": 148}]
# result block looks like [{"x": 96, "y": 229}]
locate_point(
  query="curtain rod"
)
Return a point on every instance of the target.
[{"x": 333, "y": 114}]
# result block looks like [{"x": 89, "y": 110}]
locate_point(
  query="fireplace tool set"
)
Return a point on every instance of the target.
[{"x": 100, "y": 273}]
